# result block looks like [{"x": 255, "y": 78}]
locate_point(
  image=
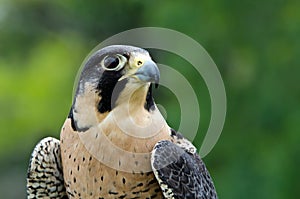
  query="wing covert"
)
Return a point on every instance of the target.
[{"x": 181, "y": 174}]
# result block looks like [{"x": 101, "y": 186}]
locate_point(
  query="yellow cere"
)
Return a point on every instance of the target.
[{"x": 138, "y": 60}]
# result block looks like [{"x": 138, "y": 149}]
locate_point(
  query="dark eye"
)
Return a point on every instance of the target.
[{"x": 113, "y": 62}]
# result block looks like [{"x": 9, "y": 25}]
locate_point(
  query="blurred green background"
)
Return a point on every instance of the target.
[{"x": 255, "y": 45}]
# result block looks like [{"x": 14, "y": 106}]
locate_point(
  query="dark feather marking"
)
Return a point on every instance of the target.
[
  {"x": 73, "y": 123},
  {"x": 109, "y": 89},
  {"x": 72, "y": 119},
  {"x": 176, "y": 134},
  {"x": 149, "y": 104},
  {"x": 112, "y": 192}
]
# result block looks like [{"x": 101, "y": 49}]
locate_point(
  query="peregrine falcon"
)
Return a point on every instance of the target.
[{"x": 114, "y": 142}]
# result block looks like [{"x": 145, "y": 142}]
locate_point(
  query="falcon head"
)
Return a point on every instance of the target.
[{"x": 113, "y": 76}]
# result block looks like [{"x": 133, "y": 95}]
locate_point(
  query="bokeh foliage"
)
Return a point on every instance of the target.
[{"x": 255, "y": 44}]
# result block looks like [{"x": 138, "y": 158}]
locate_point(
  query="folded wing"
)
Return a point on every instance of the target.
[{"x": 44, "y": 177}]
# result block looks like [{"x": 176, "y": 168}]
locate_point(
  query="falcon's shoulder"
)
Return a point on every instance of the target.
[
  {"x": 180, "y": 171},
  {"x": 45, "y": 177}
]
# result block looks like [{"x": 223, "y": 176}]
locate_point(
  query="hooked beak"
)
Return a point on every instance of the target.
[{"x": 149, "y": 72}]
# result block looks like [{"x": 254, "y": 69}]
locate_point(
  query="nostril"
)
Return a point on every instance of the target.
[{"x": 139, "y": 63}]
